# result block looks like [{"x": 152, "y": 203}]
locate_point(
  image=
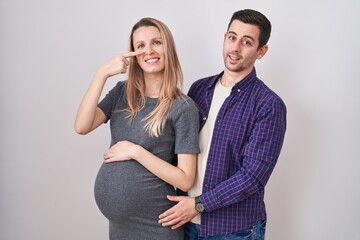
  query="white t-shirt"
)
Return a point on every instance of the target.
[{"x": 220, "y": 94}]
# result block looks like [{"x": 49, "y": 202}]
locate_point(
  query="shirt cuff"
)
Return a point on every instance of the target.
[{"x": 210, "y": 201}]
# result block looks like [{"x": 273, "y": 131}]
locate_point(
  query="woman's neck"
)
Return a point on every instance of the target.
[{"x": 153, "y": 85}]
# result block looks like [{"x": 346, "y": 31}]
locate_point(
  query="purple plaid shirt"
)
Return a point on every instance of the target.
[{"x": 246, "y": 143}]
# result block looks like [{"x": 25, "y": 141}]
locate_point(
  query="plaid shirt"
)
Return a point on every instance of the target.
[{"x": 246, "y": 143}]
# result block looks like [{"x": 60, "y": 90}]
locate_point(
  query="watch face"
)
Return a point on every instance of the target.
[{"x": 199, "y": 207}]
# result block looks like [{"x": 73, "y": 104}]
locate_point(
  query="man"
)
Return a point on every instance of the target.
[{"x": 243, "y": 126}]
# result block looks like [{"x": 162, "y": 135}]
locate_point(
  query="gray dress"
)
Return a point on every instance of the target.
[{"x": 129, "y": 195}]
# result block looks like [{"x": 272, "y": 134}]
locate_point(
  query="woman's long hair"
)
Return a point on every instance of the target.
[{"x": 171, "y": 86}]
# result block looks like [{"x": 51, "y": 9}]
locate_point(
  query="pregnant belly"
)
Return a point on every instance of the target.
[{"x": 126, "y": 189}]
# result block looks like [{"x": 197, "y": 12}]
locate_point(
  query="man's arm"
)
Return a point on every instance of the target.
[{"x": 259, "y": 158}]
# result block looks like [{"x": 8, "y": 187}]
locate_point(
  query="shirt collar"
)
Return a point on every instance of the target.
[{"x": 242, "y": 84}]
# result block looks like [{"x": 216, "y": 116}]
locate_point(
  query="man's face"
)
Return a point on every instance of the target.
[{"x": 240, "y": 49}]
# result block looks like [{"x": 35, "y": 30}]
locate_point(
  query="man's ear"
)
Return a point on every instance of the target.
[{"x": 261, "y": 52}]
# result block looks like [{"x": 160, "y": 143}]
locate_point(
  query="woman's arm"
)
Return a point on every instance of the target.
[
  {"x": 89, "y": 116},
  {"x": 181, "y": 176}
]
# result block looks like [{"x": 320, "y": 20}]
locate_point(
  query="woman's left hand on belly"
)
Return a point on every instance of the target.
[{"x": 121, "y": 151}]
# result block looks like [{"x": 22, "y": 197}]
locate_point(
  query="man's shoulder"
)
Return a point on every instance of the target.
[
  {"x": 205, "y": 81},
  {"x": 265, "y": 94}
]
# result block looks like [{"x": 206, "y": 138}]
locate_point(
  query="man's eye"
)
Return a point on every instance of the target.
[{"x": 247, "y": 43}]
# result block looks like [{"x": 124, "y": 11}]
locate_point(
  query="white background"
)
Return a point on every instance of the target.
[{"x": 49, "y": 51}]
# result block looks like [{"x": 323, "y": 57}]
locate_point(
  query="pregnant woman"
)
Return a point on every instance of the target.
[{"x": 154, "y": 134}]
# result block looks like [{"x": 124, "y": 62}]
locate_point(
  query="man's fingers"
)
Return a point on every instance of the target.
[
  {"x": 170, "y": 221},
  {"x": 173, "y": 198},
  {"x": 167, "y": 213},
  {"x": 168, "y": 218},
  {"x": 172, "y": 210},
  {"x": 178, "y": 225}
]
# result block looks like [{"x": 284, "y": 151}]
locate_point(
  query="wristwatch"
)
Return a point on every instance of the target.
[{"x": 198, "y": 205}]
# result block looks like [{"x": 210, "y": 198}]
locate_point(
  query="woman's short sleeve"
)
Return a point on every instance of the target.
[
  {"x": 186, "y": 124},
  {"x": 109, "y": 102}
]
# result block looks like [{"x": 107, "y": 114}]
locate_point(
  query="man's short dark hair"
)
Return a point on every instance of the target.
[{"x": 253, "y": 17}]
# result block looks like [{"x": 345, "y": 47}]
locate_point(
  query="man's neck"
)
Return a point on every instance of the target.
[{"x": 230, "y": 78}]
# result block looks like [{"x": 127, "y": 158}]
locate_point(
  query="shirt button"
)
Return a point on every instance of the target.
[
  {"x": 238, "y": 90},
  {"x": 204, "y": 118}
]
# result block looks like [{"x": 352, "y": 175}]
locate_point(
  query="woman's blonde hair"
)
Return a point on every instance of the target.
[{"x": 171, "y": 86}]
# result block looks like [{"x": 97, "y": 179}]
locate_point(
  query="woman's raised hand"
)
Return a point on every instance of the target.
[{"x": 117, "y": 65}]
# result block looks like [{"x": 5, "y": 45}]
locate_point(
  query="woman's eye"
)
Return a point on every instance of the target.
[
  {"x": 157, "y": 43},
  {"x": 140, "y": 46}
]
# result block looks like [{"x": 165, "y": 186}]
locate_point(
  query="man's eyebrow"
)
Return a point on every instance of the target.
[
  {"x": 246, "y": 36},
  {"x": 231, "y": 32}
]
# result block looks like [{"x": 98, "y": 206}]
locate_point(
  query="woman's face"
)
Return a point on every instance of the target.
[{"x": 147, "y": 39}]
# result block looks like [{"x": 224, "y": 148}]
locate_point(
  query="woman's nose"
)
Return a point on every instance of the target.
[{"x": 149, "y": 49}]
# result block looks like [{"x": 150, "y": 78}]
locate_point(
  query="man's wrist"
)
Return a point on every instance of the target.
[{"x": 199, "y": 207}]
